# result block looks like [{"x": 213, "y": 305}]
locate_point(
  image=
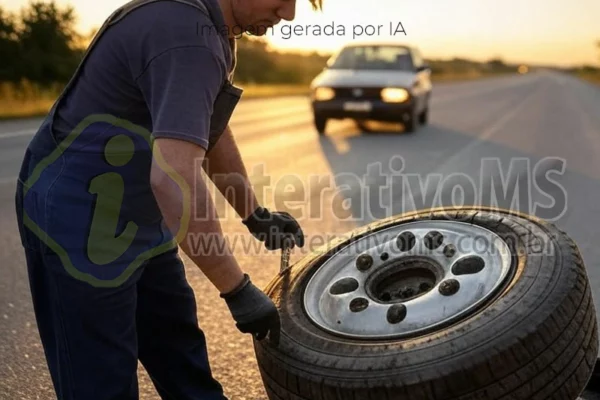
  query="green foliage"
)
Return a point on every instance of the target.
[
  {"x": 459, "y": 66},
  {"x": 9, "y": 47},
  {"x": 47, "y": 40},
  {"x": 253, "y": 62},
  {"x": 39, "y": 45},
  {"x": 257, "y": 63}
]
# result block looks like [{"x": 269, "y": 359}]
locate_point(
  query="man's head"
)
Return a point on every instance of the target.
[{"x": 258, "y": 16}]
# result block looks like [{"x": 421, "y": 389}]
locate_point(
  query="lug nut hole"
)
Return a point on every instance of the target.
[
  {"x": 406, "y": 241},
  {"x": 433, "y": 240},
  {"x": 359, "y": 304},
  {"x": 343, "y": 286}
]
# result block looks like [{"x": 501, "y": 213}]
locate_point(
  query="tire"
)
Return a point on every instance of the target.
[
  {"x": 537, "y": 339},
  {"x": 320, "y": 124},
  {"x": 424, "y": 116},
  {"x": 412, "y": 124},
  {"x": 594, "y": 382}
]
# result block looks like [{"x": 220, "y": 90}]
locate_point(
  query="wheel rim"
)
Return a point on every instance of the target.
[{"x": 406, "y": 280}]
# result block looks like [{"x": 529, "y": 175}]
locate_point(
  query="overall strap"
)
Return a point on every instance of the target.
[{"x": 118, "y": 15}]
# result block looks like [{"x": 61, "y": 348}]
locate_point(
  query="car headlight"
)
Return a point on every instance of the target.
[
  {"x": 324, "y": 94},
  {"x": 394, "y": 95}
]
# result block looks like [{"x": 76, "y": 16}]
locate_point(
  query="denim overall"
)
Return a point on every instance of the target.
[{"x": 108, "y": 286}]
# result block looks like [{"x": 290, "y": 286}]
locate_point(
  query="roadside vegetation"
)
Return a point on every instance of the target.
[
  {"x": 589, "y": 73},
  {"x": 40, "y": 49}
]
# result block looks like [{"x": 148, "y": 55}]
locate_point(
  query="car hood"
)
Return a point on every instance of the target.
[{"x": 364, "y": 78}]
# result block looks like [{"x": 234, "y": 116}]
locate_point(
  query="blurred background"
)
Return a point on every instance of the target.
[
  {"x": 516, "y": 82},
  {"x": 41, "y": 42}
]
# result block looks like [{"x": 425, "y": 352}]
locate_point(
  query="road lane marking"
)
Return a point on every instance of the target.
[
  {"x": 274, "y": 124},
  {"x": 269, "y": 115},
  {"x": 587, "y": 121},
  {"x": 284, "y": 114},
  {"x": 25, "y": 132},
  {"x": 253, "y": 111},
  {"x": 487, "y": 133},
  {"x": 4, "y": 181},
  {"x": 476, "y": 92}
]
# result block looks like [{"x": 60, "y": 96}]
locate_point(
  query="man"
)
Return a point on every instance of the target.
[{"x": 108, "y": 189}]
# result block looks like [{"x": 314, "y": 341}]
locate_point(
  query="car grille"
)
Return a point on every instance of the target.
[{"x": 367, "y": 93}]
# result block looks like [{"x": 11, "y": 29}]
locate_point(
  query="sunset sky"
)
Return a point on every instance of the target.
[{"x": 561, "y": 32}]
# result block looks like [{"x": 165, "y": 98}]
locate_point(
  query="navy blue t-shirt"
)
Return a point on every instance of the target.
[
  {"x": 157, "y": 71},
  {"x": 161, "y": 67}
]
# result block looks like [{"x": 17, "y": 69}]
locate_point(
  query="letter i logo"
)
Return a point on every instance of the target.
[{"x": 109, "y": 188}]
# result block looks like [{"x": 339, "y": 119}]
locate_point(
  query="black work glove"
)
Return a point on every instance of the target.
[
  {"x": 274, "y": 229},
  {"x": 253, "y": 311}
]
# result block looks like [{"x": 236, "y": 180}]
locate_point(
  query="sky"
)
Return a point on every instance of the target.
[{"x": 559, "y": 32}]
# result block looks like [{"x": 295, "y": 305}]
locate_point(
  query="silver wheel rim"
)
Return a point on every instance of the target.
[{"x": 406, "y": 280}]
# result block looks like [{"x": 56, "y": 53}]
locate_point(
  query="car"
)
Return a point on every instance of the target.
[{"x": 381, "y": 81}]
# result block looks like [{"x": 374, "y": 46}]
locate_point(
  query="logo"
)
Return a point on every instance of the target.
[{"x": 104, "y": 243}]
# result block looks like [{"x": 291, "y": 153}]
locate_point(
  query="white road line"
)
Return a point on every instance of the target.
[
  {"x": 26, "y": 132},
  {"x": 487, "y": 133},
  {"x": 587, "y": 121},
  {"x": 260, "y": 116},
  {"x": 247, "y": 118},
  {"x": 4, "y": 181},
  {"x": 443, "y": 99}
]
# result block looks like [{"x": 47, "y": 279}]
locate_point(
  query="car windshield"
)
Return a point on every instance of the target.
[{"x": 374, "y": 58}]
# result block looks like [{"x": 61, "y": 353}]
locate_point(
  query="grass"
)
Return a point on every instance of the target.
[
  {"x": 30, "y": 100},
  {"x": 467, "y": 76},
  {"x": 593, "y": 77},
  {"x": 253, "y": 91},
  {"x": 25, "y": 100}
]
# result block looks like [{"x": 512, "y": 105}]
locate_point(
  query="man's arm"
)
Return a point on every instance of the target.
[
  {"x": 224, "y": 166},
  {"x": 175, "y": 159}
]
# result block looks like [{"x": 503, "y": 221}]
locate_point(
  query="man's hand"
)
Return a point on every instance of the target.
[
  {"x": 253, "y": 311},
  {"x": 273, "y": 228}
]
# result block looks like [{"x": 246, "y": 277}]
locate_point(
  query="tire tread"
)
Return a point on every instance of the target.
[{"x": 555, "y": 361}]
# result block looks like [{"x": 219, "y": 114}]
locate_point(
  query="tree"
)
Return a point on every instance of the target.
[
  {"x": 48, "y": 51},
  {"x": 9, "y": 47},
  {"x": 254, "y": 63}
]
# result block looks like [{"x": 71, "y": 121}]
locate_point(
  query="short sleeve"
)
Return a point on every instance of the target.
[{"x": 180, "y": 86}]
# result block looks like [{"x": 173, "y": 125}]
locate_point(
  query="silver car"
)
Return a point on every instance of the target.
[{"x": 373, "y": 81}]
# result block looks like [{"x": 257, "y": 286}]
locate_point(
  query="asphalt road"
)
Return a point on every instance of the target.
[{"x": 539, "y": 132}]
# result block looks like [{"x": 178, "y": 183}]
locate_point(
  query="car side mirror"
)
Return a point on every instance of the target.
[{"x": 423, "y": 67}]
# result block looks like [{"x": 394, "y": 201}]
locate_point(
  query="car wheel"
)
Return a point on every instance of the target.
[
  {"x": 320, "y": 124},
  {"x": 411, "y": 124},
  {"x": 424, "y": 116},
  {"x": 473, "y": 303}
]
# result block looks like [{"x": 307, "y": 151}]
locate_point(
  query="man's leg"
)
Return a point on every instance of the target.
[
  {"x": 172, "y": 347},
  {"x": 88, "y": 333}
]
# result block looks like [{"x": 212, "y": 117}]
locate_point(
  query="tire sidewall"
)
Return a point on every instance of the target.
[{"x": 516, "y": 312}]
